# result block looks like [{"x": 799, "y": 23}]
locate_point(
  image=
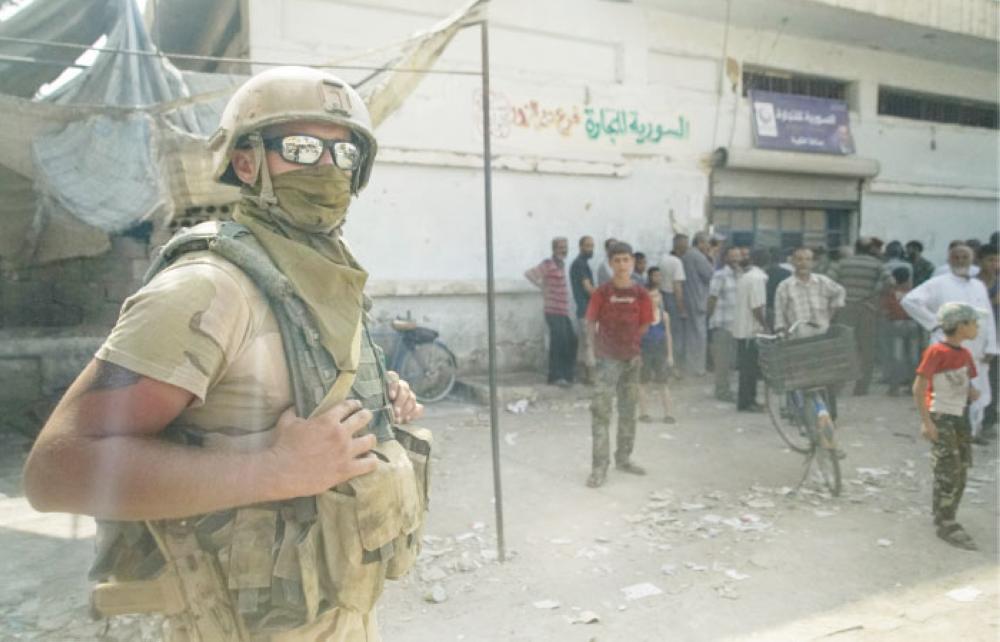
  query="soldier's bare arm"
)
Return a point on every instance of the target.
[{"x": 99, "y": 454}]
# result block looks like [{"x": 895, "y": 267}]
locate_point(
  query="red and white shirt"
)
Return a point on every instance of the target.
[{"x": 949, "y": 369}]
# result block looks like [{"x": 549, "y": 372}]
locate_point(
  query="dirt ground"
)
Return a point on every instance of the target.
[{"x": 711, "y": 544}]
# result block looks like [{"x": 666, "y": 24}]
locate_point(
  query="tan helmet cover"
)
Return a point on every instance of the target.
[{"x": 286, "y": 94}]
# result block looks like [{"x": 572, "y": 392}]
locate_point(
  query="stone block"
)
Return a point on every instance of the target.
[
  {"x": 117, "y": 291},
  {"x": 22, "y": 381},
  {"x": 103, "y": 315},
  {"x": 78, "y": 293},
  {"x": 129, "y": 248},
  {"x": 137, "y": 269}
]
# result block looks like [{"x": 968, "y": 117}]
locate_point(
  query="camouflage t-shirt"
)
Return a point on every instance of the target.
[{"x": 202, "y": 325}]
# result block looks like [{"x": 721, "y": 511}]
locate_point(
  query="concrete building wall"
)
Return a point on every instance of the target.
[{"x": 558, "y": 68}]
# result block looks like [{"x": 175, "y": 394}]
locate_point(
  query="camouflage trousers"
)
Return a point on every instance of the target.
[
  {"x": 611, "y": 378},
  {"x": 951, "y": 457}
]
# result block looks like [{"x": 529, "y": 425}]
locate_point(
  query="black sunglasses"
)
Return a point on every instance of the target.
[{"x": 305, "y": 149}]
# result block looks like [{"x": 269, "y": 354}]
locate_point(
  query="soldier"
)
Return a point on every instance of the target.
[
  {"x": 236, "y": 435},
  {"x": 618, "y": 316}
]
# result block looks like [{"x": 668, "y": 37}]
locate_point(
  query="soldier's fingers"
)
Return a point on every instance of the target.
[
  {"x": 362, "y": 465},
  {"x": 360, "y": 446},
  {"x": 358, "y": 421},
  {"x": 343, "y": 410},
  {"x": 407, "y": 408}
]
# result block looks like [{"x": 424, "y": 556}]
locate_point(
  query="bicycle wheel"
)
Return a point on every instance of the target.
[
  {"x": 430, "y": 369},
  {"x": 824, "y": 448},
  {"x": 787, "y": 420}
]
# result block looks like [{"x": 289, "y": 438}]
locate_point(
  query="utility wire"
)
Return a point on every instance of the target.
[{"x": 243, "y": 61}]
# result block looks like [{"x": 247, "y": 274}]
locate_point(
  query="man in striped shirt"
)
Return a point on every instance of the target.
[
  {"x": 864, "y": 277},
  {"x": 550, "y": 277}
]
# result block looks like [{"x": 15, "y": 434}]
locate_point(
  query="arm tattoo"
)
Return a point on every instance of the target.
[{"x": 108, "y": 376}]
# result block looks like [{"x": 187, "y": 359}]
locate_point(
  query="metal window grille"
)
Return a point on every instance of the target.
[
  {"x": 783, "y": 228},
  {"x": 937, "y": 109},
  {"x": 798, "y": 85}
]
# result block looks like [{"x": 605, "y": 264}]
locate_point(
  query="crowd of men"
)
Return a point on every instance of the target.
[{"x": 716, "y": 298}]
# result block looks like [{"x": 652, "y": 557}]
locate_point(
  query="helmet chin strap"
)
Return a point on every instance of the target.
[{"x": 266, "y": 198}]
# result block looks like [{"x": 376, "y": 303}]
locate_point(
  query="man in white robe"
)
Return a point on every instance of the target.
[{"x": 957, "y": 285}]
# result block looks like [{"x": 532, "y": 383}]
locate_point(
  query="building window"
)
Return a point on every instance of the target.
[
  {"x": 783, "y": 227},
  {"x": 936, "y": 109},
  {"x": 796, "y": 84}
]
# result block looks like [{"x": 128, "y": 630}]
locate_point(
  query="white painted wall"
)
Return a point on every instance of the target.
[{"x": 419, "y": 225}]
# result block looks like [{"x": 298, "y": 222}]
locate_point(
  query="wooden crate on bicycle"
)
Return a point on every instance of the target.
[{"x": 794, "y": 364}]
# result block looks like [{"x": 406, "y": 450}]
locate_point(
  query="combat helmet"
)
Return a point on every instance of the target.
[{"x": 286, "y": 94}]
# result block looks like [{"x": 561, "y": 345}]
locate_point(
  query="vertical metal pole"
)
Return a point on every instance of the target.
[{"x": 491, "y": 293}]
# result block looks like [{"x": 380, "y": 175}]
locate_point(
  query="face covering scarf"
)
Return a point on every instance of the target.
[{"x": 301, "y": 234}]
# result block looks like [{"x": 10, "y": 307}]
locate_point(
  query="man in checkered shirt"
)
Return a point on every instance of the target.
[
  {"x": 811, "y": 298},
  {"x": 808, "y": 297}
]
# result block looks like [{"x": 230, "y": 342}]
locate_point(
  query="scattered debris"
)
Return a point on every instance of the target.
[
  {"x": 639, "y": 591},
  {"x": 585, "y": 617},
  {"x": 546, "y": 604},
  {"x": 518, "y": 407},
  {"x": 884, "y": 542},
  {"x": 736, "y": 575},
  {"x": 510, "y": 438},
  {"x": 436, "y": 595},
  {"x": 965, "y": 594}
]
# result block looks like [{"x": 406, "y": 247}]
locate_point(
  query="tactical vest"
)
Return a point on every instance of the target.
[{"x": 281, "y": 564}]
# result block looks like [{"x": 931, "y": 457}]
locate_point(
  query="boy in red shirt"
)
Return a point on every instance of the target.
[
  {"x": 942, "y": 392},
  {"x": 618, "y": 316}
]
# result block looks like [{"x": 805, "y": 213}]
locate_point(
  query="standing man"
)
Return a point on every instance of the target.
[
  {"x": 581, "y": 280},
  {"x": 220, "y": 466},
  {"x": 639, "y": 272},
  {"x": 922, "y": 268},
  {"x": 672, "y": 282},
  {"x": 699, "y": 270},
  {"x": 619, "y": 314},
  {"x": 750, "y": 320},
  {"x": 957, "y": 285},
  {"x": 604, "y": 269},
  {"x": 550, "y": 277},
  {"x": 989, "y": 274},
  {"x": 721, "y": 316},
  {"x": 863, "y": 276}
]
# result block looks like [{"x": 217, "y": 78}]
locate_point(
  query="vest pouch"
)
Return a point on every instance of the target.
[
  {"x": 358, "y": 530},
  {"x": 417, "y": 444}
]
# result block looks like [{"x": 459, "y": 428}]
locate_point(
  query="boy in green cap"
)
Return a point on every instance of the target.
[{"x": 942, "y": 391}]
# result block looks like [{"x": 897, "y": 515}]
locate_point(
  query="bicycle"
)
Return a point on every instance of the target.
[
  {"x": 797, "y": 373},
  {"x": 422, "y": 360}
]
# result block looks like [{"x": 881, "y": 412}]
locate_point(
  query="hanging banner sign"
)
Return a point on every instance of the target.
[{"x": 800, "y": 123}]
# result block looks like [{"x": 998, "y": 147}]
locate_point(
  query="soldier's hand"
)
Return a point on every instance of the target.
[
  {"x": 973, "y": 394},
  {"x": 404, "y": 401},
  {"x": 310, "y": 456},
  {"x": 929, "y": 431}
]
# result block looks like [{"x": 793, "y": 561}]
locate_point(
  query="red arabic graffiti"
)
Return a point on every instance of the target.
[{"x": 532, "y": 116}]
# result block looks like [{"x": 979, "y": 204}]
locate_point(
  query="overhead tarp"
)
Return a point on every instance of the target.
[
  {"x": 79, "y": 22},
  {"x": 125, "y": 141},
  {"x": 211, "y": 29}
]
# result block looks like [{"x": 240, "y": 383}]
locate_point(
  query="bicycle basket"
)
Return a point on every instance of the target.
[
  {"x": 823, "y": 360},
  {"x": 420, "y": 334}
]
